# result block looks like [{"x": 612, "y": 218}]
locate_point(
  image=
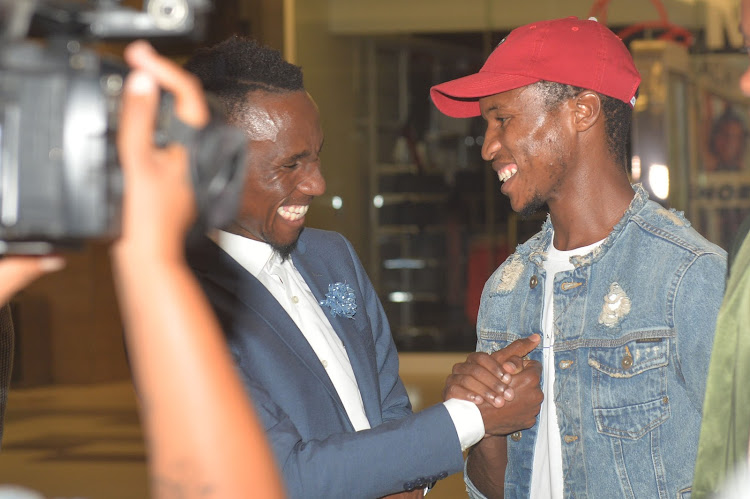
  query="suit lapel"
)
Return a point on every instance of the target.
[
  {"x": 314, "y": 265},
  {"x": 215, "y": 265}
]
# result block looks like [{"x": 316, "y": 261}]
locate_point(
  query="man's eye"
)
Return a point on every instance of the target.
[{"x": 291, "y": 165}]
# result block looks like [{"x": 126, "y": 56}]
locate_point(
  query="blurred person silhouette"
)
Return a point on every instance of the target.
[{"x": 725, "y": 431}]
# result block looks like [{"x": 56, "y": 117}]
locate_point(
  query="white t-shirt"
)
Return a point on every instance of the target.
[{"x": 547, "y": 471}]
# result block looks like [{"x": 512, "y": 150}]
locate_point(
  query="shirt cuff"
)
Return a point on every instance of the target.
[{"x": 468, "y": 421}]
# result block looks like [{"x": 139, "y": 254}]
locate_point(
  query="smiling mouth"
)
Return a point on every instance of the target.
[
  {"x": 506, "y": 172},
  {"x": 292, "y": 213}
]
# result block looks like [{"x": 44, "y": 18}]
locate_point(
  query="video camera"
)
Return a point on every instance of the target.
[{"x": 60, "y": 182}]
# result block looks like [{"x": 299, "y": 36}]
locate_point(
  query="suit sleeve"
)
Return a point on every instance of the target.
[{"x": 404, "y": 454}]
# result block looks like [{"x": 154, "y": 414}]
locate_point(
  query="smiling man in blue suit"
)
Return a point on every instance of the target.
[{"x": 303, "y": 321}]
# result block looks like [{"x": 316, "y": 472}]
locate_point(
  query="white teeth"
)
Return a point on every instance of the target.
[
  {"x": 292, "y": 213},
  {"x": 506, "y": 174}
]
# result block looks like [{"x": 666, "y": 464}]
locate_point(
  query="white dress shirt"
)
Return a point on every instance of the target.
[{"x": 286, "y": 284}]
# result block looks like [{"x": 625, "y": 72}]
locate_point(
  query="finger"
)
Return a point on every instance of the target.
[
  {"x": 137, "y": 118},
  {"x": 190, "y": 104},
  {"x": 487, "y": 362},
  {"x": 530, "y": 377},
  {"x": 519, "y": 348},
  {"x": 16, "y": 272},
  {"x": 513, "y": 365},
  {"x": 466, "y": 389},
  {"x": 480, "y": 382}
]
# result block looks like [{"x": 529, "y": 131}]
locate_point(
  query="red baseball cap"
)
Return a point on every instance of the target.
[{"x": 582, "y": 53}]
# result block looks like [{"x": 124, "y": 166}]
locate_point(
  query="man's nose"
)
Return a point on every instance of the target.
[
  {"x": 490, "y": 147},
  {"x": 314, "y": 184}
]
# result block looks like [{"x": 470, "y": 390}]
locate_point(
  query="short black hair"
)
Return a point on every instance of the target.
[
  {"x": 238, "y": 66},
  {"x": 618, "y": 115}
]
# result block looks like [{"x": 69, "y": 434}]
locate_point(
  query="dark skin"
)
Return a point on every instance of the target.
[
  {"x": 283, "y": 171},
  {"x": 480, "y": 379},
  {"x": 561, "y": 159}
]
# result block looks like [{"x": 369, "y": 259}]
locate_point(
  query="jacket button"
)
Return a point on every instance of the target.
[
  {"x": 533, "y": 282},
  {"x": 564, "y": 364},
  {"x": 627, "y": 362},
  {"x": 515, "y": 436}
]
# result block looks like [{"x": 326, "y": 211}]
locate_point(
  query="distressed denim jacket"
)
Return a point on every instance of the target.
[{"x": 634, "y": 324}]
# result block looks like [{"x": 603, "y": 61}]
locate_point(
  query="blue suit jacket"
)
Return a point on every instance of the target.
[{"x": 315, "y": 444}]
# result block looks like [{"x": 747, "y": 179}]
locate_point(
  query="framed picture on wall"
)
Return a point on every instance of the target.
[{"x": 720, "y": 194}]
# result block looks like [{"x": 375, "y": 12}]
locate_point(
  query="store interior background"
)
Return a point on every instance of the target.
[{"x": 406, "y": 185}]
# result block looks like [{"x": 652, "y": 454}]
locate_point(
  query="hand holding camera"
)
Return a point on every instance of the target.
[{"x": 158, "y": 203}]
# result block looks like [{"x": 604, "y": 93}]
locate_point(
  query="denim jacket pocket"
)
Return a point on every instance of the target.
[{"x": 629, "y": 387}]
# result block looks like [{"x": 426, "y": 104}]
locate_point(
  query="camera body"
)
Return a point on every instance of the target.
[
  {"x": 59, "y": 178},
  {"x": 60, "y": 182}
]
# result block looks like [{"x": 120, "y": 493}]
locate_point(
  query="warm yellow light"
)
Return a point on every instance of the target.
[{"x": 658, "y": 179}]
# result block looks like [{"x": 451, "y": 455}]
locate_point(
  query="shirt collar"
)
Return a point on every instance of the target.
[{"x": 253, "y": 255}]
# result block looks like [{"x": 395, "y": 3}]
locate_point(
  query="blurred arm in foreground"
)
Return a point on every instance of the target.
[{"x": 201, "y": 431}]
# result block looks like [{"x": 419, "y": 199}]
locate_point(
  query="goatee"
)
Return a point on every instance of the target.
[
  {"x": 533, "y": 206},
  {"x": 285, "y": 250}
]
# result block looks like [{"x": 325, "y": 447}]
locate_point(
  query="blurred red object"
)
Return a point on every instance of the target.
[{"x": 482, "y": 263}]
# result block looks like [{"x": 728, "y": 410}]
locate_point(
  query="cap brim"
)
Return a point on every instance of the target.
[{"x": 459, "y": 98}]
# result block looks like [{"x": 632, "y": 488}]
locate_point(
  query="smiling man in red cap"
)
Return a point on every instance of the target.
[{"x": 623, "y": 291}]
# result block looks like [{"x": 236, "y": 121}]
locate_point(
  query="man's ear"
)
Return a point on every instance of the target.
[{"x": 588, "y": 109}]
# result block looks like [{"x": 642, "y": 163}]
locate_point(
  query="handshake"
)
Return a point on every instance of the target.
[{"x": 505, "y": 385}]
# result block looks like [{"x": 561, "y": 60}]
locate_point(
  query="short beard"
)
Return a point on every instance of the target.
[
  {"x": 535, "y": 205},
  {"x": 285, "y": 250}
]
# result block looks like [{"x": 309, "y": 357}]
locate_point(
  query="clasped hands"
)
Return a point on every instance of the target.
[{"x": 504, "y": 385}]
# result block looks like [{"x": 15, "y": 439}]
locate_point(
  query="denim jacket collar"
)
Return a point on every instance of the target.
[{"x": 535, "y": 249}]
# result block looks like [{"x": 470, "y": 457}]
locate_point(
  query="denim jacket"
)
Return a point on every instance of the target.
[{"x": 634, "y": 323}]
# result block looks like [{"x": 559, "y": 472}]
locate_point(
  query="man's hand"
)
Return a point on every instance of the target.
[
  {"x": 519, "y": 413},
  {"x": 485, "y": 378}
]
